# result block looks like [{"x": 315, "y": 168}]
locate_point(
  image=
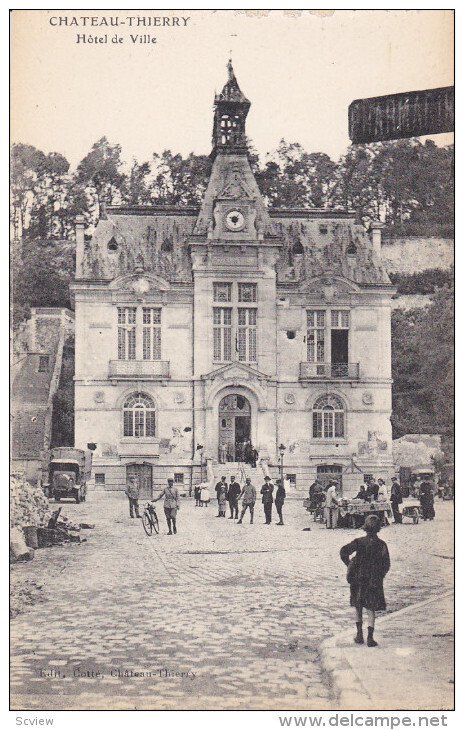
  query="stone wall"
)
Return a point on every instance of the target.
[{"x": 410, "y": 255}]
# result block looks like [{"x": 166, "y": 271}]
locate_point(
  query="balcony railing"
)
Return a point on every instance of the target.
[
  {"x": 146, "y": 369},
  {"x": 329, "y": 371}
]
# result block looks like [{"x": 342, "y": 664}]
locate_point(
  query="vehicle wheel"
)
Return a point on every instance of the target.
[
  {"x": 78, "y": 497},
  {"x": 147, "y": 525},
  {"x": 154, "y": 519},
  {"x": 57, "y": 498},
  {"x": 415, "y": 516}
]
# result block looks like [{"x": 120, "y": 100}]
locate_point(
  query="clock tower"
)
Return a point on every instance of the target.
[
  {"x": 233, "y": 208},
  {"x": 234, "y": 251}
]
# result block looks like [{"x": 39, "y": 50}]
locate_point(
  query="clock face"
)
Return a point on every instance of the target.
[{"x": 235, "y": 220}]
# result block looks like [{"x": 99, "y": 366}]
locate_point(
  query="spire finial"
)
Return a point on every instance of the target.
[{"x": 230, "y": 68}]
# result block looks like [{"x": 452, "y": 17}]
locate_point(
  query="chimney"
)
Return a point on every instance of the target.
[
  {"x": 80, "y": 227},
  {"x": 103, "y": 212},
  {"x": 376, "y": 236}
]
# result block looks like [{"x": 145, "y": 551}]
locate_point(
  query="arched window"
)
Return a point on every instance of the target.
[
  {"x": 328, "y": 418},
  {"x": 139, "y": 416}
]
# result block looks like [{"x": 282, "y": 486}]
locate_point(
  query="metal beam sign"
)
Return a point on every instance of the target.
[{"x": 396, "y": 116}]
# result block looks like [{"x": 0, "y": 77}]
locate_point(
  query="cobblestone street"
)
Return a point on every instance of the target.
[{"x": 241, "y": 610}]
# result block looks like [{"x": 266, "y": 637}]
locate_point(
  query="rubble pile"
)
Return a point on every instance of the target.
[
  {"x": 28, "y": 504},
  {"x": 23, "y": 593}
]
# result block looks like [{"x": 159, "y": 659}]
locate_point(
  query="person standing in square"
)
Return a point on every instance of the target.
[
  {"x": 171, "y": 505},
  {"x": 267, "y": 491},
  {"x": 279, "y": 501},
  {"x": 248, "y": 495},
  {"x": 366, "y": 573},
  {"x": 233, "y": 493},
  {"x": 133, "y": 494}
]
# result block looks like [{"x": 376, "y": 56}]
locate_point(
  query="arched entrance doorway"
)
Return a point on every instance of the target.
[{"x": 234, "y": 427}]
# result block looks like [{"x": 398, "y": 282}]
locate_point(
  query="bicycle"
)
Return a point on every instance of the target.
[{"x": 150, "y": 520}]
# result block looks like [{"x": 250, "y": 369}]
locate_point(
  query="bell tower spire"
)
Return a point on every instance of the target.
[{"x": 230, "y": 111}]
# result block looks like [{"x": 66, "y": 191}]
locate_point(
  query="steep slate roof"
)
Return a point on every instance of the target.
[
  {"x": 157, "y": 239},
  {"x": 153, "y": 238}
]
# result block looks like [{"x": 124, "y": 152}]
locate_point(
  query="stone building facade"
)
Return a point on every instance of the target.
[
  {"x": 36, "y": 366},
  {"x": 213, "y": 326}
]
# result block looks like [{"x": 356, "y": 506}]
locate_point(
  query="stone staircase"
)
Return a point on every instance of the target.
[{"x": 240, "y": 471}]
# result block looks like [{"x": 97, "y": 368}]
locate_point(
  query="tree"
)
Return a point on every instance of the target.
[
  {"x": 179, "y": 181},
  {"x": 422, "y": 367},
  {"x": 100, "y": 173},
  {"x": 41, "y": 273},
  {"x": 294, "y": 178},
  {"x": 137, "y": 190}
]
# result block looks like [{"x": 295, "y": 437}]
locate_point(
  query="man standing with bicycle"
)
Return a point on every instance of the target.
[{"x": 171, "y": 505}]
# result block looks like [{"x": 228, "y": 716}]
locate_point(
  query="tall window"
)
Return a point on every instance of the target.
[
  {"x": 126, "y": 333},
  {"x": 328, "y": 340},
  {"x": 151, "y": 333},
  {"x": 315, "y": 335},
  {"x": 222, "y": 335},
  {"x": 236, "y": 323},
  {"x": 246, "y": 334},
  {"x": 328, "y": 418},
  {"x": 139, "y": 416}
]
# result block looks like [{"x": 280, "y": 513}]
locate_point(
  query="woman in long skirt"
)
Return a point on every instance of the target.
[
  {"x": 366, "y": 573},
  {"x": 204, "y": 495}
]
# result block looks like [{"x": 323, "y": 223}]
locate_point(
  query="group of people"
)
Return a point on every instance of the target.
[
  {"x": 372, "y": 490},
  {"x": 366, "y": 570},
  {"x": 230, "y": 494},
  {"x": 171, "y": 505},
  {"x": 376, "y": 491},
  {"x": 244, "y": 452}
]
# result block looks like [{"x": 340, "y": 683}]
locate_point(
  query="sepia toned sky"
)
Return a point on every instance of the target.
[{"x": 300, "y": 70}]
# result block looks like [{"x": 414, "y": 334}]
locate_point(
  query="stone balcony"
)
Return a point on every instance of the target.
[
  {"x": 143, "y": 369},
  {"x": 329, "y": 371}
]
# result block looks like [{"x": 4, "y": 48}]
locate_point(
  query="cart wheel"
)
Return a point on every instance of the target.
[{"x": 415, "y": 516}]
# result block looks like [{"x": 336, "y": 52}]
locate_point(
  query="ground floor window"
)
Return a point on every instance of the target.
[
  {"x": 329, "y": 472},
  {"x": 99, "y": 478},
  {"x": 178, "y": 478}
]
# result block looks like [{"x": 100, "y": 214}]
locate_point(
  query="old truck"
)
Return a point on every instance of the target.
[{"x": 65, "y": 473}]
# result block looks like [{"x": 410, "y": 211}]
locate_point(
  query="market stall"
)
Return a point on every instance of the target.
[{"x": 353, "y": 512}]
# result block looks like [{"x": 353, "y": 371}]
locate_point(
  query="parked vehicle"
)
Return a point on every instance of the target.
[{"x": 65, "y": 472}]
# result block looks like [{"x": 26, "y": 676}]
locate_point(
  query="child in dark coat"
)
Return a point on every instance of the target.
[{"x": 366, "y": 572}]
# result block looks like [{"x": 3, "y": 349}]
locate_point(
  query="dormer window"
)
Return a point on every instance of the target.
[
  {"x": 112, "y": 245},
  {"x": 323, "y": 229}
]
